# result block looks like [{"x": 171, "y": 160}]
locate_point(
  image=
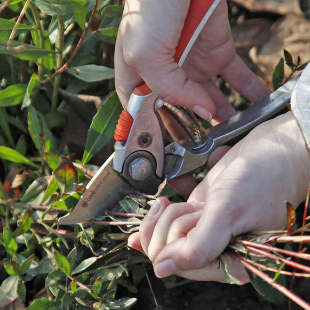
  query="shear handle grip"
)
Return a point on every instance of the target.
[
  {"x": 232, "y": 130},
  {"x": 197, "y": 11}
]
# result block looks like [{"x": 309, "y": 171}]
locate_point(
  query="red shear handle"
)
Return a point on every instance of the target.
[{"x": 197, "y": 11}]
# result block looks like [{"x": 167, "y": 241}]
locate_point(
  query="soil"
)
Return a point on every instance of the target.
[{"x": 210, "y": 296}]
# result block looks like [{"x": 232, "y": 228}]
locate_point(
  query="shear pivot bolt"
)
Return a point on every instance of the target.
[{"x": 140, "y": 169}]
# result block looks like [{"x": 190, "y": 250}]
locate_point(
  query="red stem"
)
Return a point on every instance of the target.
[
  {"x": 276, "y": 258},
  {"x": 274, "y": 249},
  {"x": 284, "y": 272},
  {"x": 110, "y": 223},
  {"x": 276, "y": 285},
  {"x": 121, "y": 214}
]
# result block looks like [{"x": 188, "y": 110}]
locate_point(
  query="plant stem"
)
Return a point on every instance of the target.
[
  {"x": 36, "y": 16},
  {"x": 67, "y": 65},
  {"x": 278, "y": 258},
  {"x": 116, "y": 223},
  {"x": 59, "y": 46},
  {"x": 274, "y": 249},
  {"x": 19, "y": 19},
  {"x": 276, "y": 285},
  {"x": 286, "y": 273}
]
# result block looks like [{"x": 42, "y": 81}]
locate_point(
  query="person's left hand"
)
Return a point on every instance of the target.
[{"x": 245, "y": 191}]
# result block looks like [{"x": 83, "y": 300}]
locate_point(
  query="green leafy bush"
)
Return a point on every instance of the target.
[{"x": 49, "y": 47}]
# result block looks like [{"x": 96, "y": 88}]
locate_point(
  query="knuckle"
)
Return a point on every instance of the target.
[{"x": 135, "y": 55}]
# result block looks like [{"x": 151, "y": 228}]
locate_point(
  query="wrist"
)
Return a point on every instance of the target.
[{"x": 290, "y": 136}]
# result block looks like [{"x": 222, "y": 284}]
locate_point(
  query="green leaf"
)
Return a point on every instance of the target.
[
  {"x": 16, "y": 122},
  {"x": 44, "y": 303},
  {"x": 9, "y": 242},
  {"x": 9, "y": 268},
  {"x": 59, "y": 7},
  {"x": 54, "y": 281},
  {"x": 21, "y": 145},
  {"x": 111, "y": 16},
  {"x": 55, "y": 119},
  {"x": 228, "y": 276},
  {"x": 45, "y": 266},
  {"x": 109, "y": 32},
  {"x": 92, "y": 73},
  {"x": 66, "y": 174},
  {"x": 2, "y": 193},
  {"x": 73, "y": 286},
  {"x": 5, "y": 126},
  {"x": 278, "y": 74},
  {"x": 12, "y": 95},
  {"x": 97, "y": 286},
  {"x": 25, "y": 266},
  {"x": 302, "y": 67},
  {"x": 52, "y": 160},
  {"x": 21, "y": 291},
  {"x": 102, "y": 127},
  {"x": 289, "y": 59},
  {"x": 67, "y": 202},
  {"x": 8, "y": 291},
  {"x": 6, "y": 26},
  {"x": 25, "y": 224},
  {"x": 13, "y": 156},
  {"x": 62, "y": 263},
  {"x": 123, "y": 303},
  {"x": 266, "y": 290},
  {"x": 51, "y": 189},
  {"x": 84, "y": 265},
  {"x": 31, "y": 90},
  {"x": 23, "y": 51},
  {"x": 80, "y": 16},
  {"x": 35, "y": 189},
  {"x": 35, "y": 129}
]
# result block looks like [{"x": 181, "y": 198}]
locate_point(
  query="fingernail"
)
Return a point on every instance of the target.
[
  {"x": 202, "y": 112},
  {"x": 165, "y": 268},
  {"x": 155, "y": 208}
]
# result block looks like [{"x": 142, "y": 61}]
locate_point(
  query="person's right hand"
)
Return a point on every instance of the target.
[{"x": 145, "y": 48}]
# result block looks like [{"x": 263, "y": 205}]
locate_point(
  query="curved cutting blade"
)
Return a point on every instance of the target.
[{"x": 102, "y": 193}]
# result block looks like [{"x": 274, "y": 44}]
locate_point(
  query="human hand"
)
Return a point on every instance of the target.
[
  {"x": 245, "y": 191},
  {"x": 145, "y": 48}
]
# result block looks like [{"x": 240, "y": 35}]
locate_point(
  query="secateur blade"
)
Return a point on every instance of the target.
[{"x": 102, "y": 193}]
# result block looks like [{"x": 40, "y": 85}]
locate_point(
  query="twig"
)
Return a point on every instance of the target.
[
  {"x": 72, "y": 235},
  {"x": 43, "y": 208},
  {"x": 274, "y": 249},
  {"x": 67, "y": 65},
  {"x": 36, "y": 16},
  {"x": 60, "y": 47},
  {"x": 120, "y": 214},
  {"x": 287, "y": 273},
  {"x": 304, "y": 219},
  {"x": 284, "y": 260},
  {"x": 4, "y": 6},
  {"x": 116, "y": 223},
  {"x": 80, "y": 284},
  {"x": 151, "y": 288},
  {"x": 276, "y": 285},
  {"x": 19, "y": 19},
  {"x": 89, "y": 174},
  {"x": 290, "y": 239}
]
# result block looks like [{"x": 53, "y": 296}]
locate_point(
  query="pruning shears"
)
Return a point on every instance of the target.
[{"x": 143, "y": 158}]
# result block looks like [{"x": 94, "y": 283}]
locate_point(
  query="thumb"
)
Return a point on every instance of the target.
[{"x": 171, "y": 83}]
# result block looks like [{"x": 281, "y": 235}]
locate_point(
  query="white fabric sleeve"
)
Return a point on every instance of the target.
[{"x": 300, "y": 104}]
